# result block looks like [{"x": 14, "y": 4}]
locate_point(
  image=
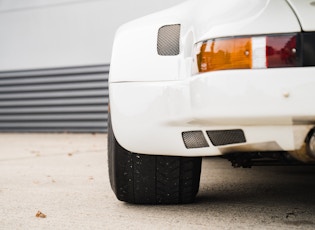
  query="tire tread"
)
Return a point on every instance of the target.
[{"x": 151, "y": 179}]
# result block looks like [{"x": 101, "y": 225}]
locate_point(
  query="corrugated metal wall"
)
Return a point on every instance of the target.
[{"x": 54, "y": 100}]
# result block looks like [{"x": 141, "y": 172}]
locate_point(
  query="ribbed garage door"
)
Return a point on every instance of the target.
[{"x": 54, "y": 100}]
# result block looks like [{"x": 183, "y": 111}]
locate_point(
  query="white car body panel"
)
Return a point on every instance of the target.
[
  {"x": 305, "y": 10},
  {"x": 150, "y": 117},
  {"x": 244, "y": 18},
  {"x": 153, "y": 98}
]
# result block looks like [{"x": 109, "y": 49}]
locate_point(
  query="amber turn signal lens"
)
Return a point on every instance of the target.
[{"x": 223, "y": 54}]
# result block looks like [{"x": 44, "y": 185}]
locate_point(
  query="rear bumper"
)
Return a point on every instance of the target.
[{"x": 273, "y": 107}]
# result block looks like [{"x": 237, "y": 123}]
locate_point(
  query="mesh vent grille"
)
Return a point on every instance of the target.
[
  {"x": 226, "y": 137},
  {"x": 194, "y": 139},
  {"x": 168, "y": 40}
]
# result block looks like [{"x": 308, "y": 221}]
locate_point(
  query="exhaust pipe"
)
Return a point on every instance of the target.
[
  {"x": 310, "y": 143},
  {"x": 307, "y": 153}
]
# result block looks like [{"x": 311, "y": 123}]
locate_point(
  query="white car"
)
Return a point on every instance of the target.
[{"x": 230, "y": 78}]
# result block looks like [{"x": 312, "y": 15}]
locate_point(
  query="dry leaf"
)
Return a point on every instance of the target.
[
  {"x": 39, "y": 214},
  {"x": 36, "y": 153}
]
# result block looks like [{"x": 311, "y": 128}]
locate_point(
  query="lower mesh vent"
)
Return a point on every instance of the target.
[
  {"x": 168, "y": 40},
  {"x": 226, "y": 137},
  {"x": 194, "y": 139}
]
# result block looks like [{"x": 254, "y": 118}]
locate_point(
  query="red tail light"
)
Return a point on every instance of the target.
[
  {"x": 257, "y": 52},
  {"x": 281, "y": 51}
]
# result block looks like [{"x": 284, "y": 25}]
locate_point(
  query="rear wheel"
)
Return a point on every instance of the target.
[{"x": 150, "y": 179}]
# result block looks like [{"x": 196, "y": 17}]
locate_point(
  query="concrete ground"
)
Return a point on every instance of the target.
[{"x": 65, "y": 177}]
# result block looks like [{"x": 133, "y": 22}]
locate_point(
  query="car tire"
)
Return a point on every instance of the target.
[{"x": 150, "y": 179}]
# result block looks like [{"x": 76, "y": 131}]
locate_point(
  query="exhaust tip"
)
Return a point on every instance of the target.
[{"x": 310, "y": 143}]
